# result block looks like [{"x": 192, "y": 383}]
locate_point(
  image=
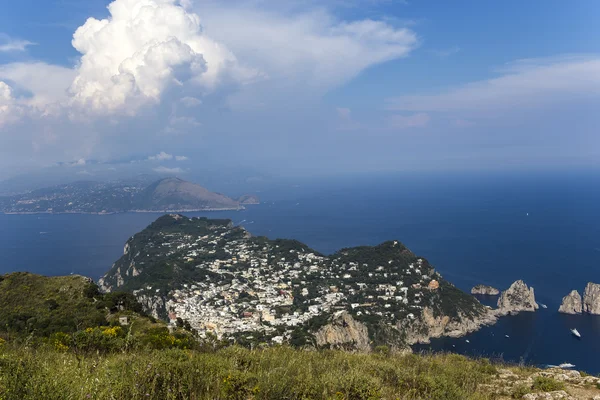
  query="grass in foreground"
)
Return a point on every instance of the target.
[{"x": 237, "y": 373}]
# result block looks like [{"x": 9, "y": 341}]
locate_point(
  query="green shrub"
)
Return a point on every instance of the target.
[
  {"x": 520, "y": 390},
  {"x": 546, "y": 384}
]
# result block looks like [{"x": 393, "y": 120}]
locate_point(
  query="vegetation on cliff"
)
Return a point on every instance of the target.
[{"x": 69, "y": 313}]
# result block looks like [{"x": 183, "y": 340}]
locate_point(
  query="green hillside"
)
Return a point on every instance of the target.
[{"x": 70, "y": 314}]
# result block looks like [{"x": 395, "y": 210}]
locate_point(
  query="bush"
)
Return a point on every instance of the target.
[
  {"x": 545, "y": 384},
  {"x": 520, "y": 390}
]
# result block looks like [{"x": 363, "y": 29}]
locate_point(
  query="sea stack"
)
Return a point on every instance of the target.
[
  {"x": 591, "y": 299},
  {"x": 485, "y": 290},
  {"x": 571, "y": 303},
  {"x": 518, "y": 297}
]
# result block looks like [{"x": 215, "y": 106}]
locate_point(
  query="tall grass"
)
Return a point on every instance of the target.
[{"x": 238, "y": 373}]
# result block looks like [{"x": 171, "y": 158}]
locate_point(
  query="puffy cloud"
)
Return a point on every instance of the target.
[
  {"x": 418, "y": 120},
  {"x": 524, "y": 84},
  {"x": 5, "y": 93},
  {"x": 166, "y": 170},
  {"x": 181, "y": 158},
  {"x": 151, "y": 69},
  {"x": 162, "y": 156},
  {"x": 144, "y": 48},
  {"x": 7, "y": 109}
]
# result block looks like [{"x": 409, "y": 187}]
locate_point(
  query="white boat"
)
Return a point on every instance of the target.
[
  {"x": 566, "y": 365},
  {"x": 543, "y": 305},
  {"x": 467, "y": 340},
  {"x": 575, "y": 332},
  {"x": 506, "y": 336}
]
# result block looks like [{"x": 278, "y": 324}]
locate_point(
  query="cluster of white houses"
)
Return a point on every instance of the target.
[{"x": 273, "y": 286}]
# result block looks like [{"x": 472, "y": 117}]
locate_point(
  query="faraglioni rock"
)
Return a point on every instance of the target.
[
  {"x": 485, "y": 290},
  {"x": 591, "y": 299},
  {"x": 518, "y": 297},
  {"x": 571, "y": 303}
]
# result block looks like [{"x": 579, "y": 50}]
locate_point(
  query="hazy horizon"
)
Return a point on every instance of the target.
[{"x": 297, "y": 88}]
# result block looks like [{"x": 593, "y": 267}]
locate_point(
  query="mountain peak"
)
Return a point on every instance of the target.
[{"x": 175, "y": 194}]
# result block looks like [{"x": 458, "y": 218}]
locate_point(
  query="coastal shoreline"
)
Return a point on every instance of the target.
[{"x": 123, "y": 212}]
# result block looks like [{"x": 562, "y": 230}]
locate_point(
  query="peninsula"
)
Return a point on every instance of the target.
[{"x": 165, "y": 195}]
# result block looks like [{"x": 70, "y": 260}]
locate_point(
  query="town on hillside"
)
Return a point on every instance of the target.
[{"x": 224, "y": 282}]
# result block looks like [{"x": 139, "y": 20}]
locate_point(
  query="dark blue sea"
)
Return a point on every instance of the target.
[{"x": 490, "y": 228}]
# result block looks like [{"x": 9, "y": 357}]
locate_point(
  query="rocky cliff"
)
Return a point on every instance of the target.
[
  {"x": 485, "y": 290},
  {"x": 156, "y": 306},
  {"x": 343, "y": 332},
  {"x": 591, "y": 299},
  {"x": 571, "y": 303},
  {"x": 518, "y": 297},
  {"x": 430, "y": 326}
]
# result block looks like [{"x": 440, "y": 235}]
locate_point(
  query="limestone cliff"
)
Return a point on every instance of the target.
[
  {"x": 518, "y": 297},
  {"x": 591, "y": 299},
  {"x": 344, "y": 332},
  {"x": 152, "y": 304},
  {"x": 571, "y": 303},
  {"x": 430, "y": 326},
  {"x": 485, "y": 290}
]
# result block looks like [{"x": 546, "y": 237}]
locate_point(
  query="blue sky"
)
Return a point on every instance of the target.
[{"x": 299, "y": 87}]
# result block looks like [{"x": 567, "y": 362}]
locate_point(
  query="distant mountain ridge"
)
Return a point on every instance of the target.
[
  {"x": 177, "y": 194},
  {"x": 164, "y": 195}
]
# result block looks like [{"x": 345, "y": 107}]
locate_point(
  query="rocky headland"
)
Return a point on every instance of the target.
[{"x": 485, "y": 290}]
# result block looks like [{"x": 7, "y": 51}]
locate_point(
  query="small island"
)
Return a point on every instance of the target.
[{"x": 485, "y": 290}]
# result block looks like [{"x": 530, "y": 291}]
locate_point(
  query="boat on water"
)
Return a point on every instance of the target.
[
  {"x": 467, "y": 340},
  {"x": 506, "y": 336},
  {"x": 543, "y": 305},
  {"x": 576, "y": 333},
  {"x": 566, "y": 365}
]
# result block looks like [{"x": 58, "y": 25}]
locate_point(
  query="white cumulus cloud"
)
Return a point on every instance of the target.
[
  {"x": 7, "y": 109},
  {"x": 141, "y": 50}
]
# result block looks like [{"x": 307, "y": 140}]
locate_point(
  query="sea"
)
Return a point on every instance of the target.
[{"x": 476, "y": 228}]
